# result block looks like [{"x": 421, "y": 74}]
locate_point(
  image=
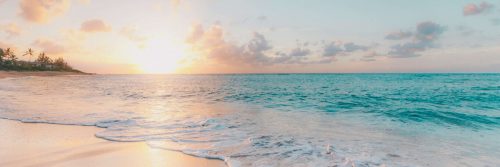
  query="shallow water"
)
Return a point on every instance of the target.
[{"x": 280, "y": 120}]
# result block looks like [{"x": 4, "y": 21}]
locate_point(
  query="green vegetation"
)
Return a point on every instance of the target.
[{"x": 9, "y": 61}]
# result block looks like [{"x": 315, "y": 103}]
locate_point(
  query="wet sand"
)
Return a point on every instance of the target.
[{"x": 28, "y": 144}]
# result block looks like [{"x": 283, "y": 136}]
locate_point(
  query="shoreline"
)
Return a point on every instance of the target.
[
  {"x": 45, "y": 144},
  {"x": 17, "y": 74},
  {"x": 39, "y": 144}
]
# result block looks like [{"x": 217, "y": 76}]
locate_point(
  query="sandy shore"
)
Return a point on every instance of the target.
[
  {"x": 26, "y": 144},
  {"x": 5, "y": 74}
]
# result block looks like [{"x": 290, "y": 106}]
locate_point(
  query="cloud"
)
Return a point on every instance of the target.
[
  {"x": 423, "y": 38},
  {"x": 49, "y": 46},
  {"x": 398, "y": 35},
  {"x": 300, "y": 52},
  {"x": 12, "y": 30},
  {"x": 428, "y": 31},
  {"x": 211, "y": 47},
  {"x": 409, "y": 49},
  {"x": 41, "y": 11},
  {"x": 195, "y": 33},
  {"x": 332, "y": 49},
  {"x": 94, "y": 25},
  {"x": 257, "y": 45},
  {"x": 473, "y": 9},
  {"x": 352, "y": 47}
]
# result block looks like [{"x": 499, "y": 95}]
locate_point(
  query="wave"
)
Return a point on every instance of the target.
[{"x": 278, "y": 120}]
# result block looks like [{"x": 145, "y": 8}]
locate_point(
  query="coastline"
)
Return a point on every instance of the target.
[
  {"x": 36, "y": 144},
  {"x": 39, "y": 144},
  {"x": 15, "y": 74}
]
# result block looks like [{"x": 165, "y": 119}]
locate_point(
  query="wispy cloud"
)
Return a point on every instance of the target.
[
  {"x": 398, "y": 35},
  {"x": 371, "y": 56},
  {"x": 352, "y": 47},
  {"x": 338, "y": 48}
]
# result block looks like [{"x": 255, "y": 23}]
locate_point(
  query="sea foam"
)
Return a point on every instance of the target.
[{"x": 279, "y": 120}]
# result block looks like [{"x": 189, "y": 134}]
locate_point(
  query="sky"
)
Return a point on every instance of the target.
[{"x": 258, "y": 36}]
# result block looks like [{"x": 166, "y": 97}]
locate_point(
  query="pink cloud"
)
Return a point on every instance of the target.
[
  {"x": 213, "y": 51},
  {"x": 41, "y": 11},
  {"x": 95, "y": 25},
  {"x": 473, "y": 9}
]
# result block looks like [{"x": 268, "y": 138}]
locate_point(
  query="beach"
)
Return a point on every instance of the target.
[
  {"x": 38, "y": 144},
  {"x": 251, "y": 120},
  {"x": 12, "y": 74},
  {"x": 29, "y": 144}
]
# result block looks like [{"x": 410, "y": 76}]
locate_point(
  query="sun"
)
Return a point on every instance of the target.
[{"x": 158, "y": 57}]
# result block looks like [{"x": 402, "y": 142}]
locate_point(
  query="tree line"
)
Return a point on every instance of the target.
[{"x": 10, "y": 61}]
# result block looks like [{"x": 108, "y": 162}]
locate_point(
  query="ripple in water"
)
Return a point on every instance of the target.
[{"x": 279, "y": 120}]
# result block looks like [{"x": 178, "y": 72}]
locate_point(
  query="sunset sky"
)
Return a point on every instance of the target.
[{"x": 258, "y": 36}]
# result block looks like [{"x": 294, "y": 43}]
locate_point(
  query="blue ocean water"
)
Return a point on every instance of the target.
[{"x": 280, "y": 119}]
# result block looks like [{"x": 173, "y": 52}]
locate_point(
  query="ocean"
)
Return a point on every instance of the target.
[{"x": 279, "y": 119}]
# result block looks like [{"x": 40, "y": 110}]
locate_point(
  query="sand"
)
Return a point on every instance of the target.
[
  {"x": 28, "y": 144},
  {"x": 6, "y": 74}
]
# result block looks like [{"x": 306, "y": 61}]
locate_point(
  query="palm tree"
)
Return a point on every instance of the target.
[
  {"x": 43, "y": 60},
  {"x": 61, "y": 64},
  {"x": 11, "y": 57},
  {"x": 2, "y": 55},
  {"x": 29, "y": 52}
]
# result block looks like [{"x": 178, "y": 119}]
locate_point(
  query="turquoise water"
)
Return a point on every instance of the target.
[{"x": 280, "y": 119}]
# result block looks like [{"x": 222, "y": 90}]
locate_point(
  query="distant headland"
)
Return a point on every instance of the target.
[{"x": 9, "y": 61}]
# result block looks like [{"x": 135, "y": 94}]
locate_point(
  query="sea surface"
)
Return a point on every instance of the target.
[{"x": 279, "y": 119}]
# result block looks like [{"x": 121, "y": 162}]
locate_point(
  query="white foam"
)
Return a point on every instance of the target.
[{"x": 240, "y": 134}]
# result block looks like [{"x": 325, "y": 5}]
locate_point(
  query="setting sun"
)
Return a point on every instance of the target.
[{"x": 159, "y": 56}]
